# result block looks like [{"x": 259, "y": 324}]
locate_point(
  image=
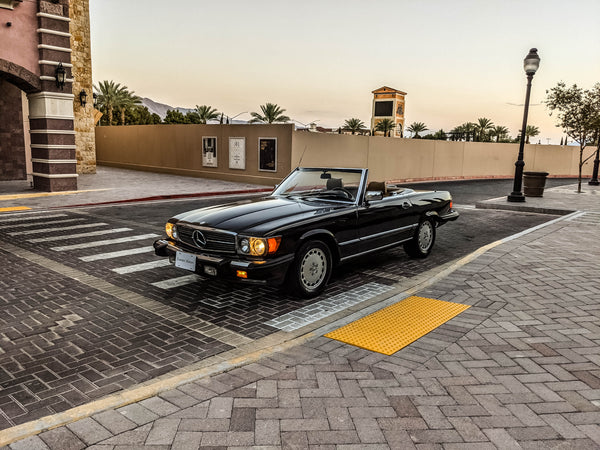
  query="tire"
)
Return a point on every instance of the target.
[
  {"x": 311, "y": 269},
  {"x": 422, "y": 242}
]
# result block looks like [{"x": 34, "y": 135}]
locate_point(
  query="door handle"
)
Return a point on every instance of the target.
[{"x": 406, "y": 205}]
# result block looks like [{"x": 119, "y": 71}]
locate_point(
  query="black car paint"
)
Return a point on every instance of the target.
[{"x": 349, "y": 228}]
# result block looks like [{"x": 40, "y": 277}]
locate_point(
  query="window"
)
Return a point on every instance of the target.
[{"x": 267, "y": 154}]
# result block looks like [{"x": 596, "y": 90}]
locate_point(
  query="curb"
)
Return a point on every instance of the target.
[
  {"x": 170, "y": 197},
  {"x": 518, "y": 207}
]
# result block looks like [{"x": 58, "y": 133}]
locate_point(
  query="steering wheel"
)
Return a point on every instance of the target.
[{"x": 345, "y": 192}]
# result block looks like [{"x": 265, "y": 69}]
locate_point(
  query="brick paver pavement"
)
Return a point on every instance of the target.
[{"x": 519, "y": 369}]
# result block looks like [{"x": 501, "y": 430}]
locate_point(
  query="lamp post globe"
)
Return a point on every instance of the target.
[{"x": 531, "y": 63}]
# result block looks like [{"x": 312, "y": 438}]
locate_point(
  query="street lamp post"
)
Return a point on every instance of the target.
[
  {"x": 530, "y": 64},
  {"x": 594, "y": 181}
]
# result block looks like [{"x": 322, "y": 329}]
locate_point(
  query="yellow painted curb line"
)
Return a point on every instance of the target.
[
  {"x": 46, "y": 194},
  {"x": 14, "y": 208}
]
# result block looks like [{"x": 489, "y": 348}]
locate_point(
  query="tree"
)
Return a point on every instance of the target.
[
  {"x": 110, "y": 94},
  {"x": 386, "y": 126},
  {"x": 206, "y": 113},
  {"x": 354, "y": 125},
  {"x": 500, "y": 132},
  {"x": 483, "y": 127},
  {"x": 578, "y": 113},
  {"x": 174, "y": 116},
  {"x": 530, "y": 132},
  {"x": 416, "y": 128},
  {"x": 125, "y": 101},
  {"x": 141, "y": 116},
  {"x": 271, "y": 113},
  {"x": 439, "y": 135}
]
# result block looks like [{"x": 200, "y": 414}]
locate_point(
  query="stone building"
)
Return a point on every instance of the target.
[{"x": 46, "y": 112}]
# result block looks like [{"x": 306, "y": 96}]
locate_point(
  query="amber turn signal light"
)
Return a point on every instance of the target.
[{"x": 242, "y": 274}]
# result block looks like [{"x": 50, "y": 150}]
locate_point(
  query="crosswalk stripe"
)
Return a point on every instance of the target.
[
  {"x": 80, "y": 235},
  {"x": 142, "y": 266},
  {"x": 122, "y": 240},
  {"x": 53, "y": 229},
  {"x": 109, "y": 255},
  {"x": 176, "y": 282},
  {"x": 37, "y": 224},
  {"x": 25, "y": 216}
]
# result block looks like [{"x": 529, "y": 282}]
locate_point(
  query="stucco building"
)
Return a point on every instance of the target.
[
  {"x": 388, "y": 103},
  {"x": 46, "y": 112}
]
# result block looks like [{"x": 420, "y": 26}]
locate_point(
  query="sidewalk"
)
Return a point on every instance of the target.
[
  {"x": 519, "y": 369},
  {"x": 110, "y": 184}
]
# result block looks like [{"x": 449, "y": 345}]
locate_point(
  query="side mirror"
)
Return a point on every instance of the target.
[{"x": 373, "y": 195}]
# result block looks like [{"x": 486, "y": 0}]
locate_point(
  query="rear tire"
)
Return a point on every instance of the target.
[
  {"x": 311, "y": 269},
  {"x": 422, "y": 242}
]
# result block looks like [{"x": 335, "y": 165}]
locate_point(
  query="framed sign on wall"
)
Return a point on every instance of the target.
[
  {"x": 267, "y": 154},
  {"x": 237, "y": 153},
  {"x": 209, "y": 151}
]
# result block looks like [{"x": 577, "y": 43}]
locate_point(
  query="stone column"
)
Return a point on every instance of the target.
[{"x": 51, "y": 110}]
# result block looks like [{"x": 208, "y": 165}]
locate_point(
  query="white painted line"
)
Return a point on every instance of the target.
[
  {"x": 37, "y": 224},
  {"x": 142, "y": 266},
  {"x": 80, "y": 235},
  {"x": 325, "y": 308},
  {"x": 109, "y": 255},
  {"x": 176, "y": 282},
  {"x": 19, "y": 219},
  {"x": 122, "y": 240},
  {"x": 463, "y": 206},
  {"x": 50, "y": 230}
]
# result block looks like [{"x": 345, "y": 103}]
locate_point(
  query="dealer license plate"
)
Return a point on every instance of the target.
[{"x": 185, "y": 261}]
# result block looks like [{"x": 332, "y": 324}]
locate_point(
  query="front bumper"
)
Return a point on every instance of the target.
[{"x": 270, "y": 272}]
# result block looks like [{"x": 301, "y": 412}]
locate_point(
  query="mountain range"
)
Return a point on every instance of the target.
[{"x": 160, "y": 108}]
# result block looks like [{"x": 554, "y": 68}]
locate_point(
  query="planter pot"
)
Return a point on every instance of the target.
[{"x": 533, "y": 183}]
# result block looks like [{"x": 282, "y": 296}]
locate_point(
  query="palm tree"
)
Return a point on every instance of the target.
[
  {"x": 483, "y": 126},
  {"x": 531, "y": 131},
  {"x": 125, "y": 101},
  {"x": 110, "y": 94},
  {"x": 271, "y": 113},
  {"x": 500, "y": 132},
  {"x": 354, "y": 125},
  {"x": 416, "y": 128},
  {"x": 207, "y": 113},
  {"x": 386, "y": 126}
]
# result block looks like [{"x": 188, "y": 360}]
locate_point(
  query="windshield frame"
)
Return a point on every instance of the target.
[{"x": 359, "y": 193}]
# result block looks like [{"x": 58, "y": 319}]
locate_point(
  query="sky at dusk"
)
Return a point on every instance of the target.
[{"x": 457, "y": 60}]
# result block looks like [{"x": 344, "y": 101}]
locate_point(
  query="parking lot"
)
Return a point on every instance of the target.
[{"x": 88, "y": 309}]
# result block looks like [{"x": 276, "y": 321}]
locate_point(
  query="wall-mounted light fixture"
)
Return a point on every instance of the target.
[
  {"x": 95, "y": 97},
  {"x": 83, "y": 97},
  {"x": 60, "y": 76}
]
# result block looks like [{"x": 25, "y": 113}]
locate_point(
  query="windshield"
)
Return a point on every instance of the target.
[{"x": 329, "y": 184}]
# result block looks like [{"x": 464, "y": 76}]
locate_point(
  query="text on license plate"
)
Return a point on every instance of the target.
[{"x": 185, "y": 261}]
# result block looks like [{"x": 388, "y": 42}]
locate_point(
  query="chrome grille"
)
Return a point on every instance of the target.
[{"x": 216, "y": 241}]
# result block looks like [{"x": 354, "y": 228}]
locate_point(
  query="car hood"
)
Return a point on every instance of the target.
[{"x": 259, "y": 216}]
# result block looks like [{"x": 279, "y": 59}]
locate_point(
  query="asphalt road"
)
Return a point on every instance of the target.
[{"x": 78, "y": 324}]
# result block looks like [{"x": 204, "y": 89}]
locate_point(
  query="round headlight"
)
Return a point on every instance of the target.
[
  {"x": 245, "y": 245},
  {"x": 174, "y": 232},
  {"x": 259, "y": 247}
]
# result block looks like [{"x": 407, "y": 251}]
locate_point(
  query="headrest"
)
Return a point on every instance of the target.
[
  {"x": 376, "y": 186},
  {"x": 333, "y": 183}
]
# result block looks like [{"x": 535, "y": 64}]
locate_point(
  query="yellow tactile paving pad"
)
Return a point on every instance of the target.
[{"x": 390, "y": 329}]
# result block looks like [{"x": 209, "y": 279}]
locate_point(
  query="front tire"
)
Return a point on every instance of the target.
[
  {"x": 422, "y": 242},
  {"x": 311, "y": 269}
]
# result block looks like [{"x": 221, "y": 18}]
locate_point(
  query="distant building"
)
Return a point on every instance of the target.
[
  {"x": 46, "y": 108},
  {"x": 388, "y": 103}
]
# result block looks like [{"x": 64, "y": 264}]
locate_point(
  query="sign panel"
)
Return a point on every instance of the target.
[
  {"x": 267, "y": 154},
  {"x": 237, "y": 153},
  {"x": 209, "y": 151}
]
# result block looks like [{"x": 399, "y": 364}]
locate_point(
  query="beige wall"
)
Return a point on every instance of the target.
[
  {"x": 422, "y": 159},
  {"x": 177, "y": 149}
]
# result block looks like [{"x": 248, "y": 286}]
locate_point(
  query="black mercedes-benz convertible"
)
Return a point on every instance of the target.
[{"x": 315, "y": 219}]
